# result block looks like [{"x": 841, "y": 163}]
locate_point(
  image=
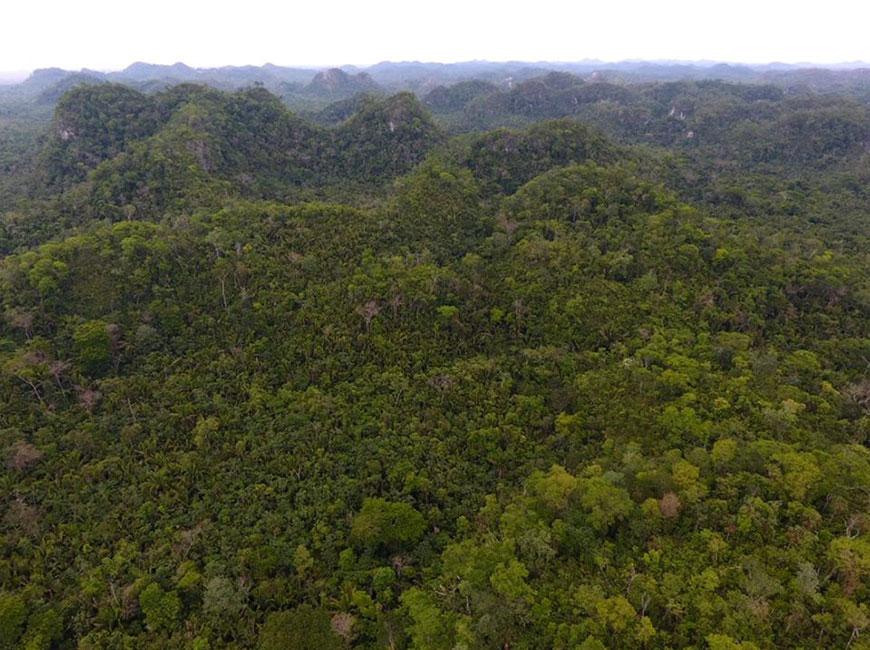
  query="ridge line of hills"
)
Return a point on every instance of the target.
[
  {"x": 252, "y": 142},
  {"x": 420, "y": 77}
]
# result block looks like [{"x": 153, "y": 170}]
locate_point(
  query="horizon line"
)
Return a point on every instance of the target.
[{"x": 854, "y": 65}]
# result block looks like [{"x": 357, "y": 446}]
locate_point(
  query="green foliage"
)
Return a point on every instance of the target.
[
  {"x": 724, "y": 642},
  {"x": 386, "y": 523},
  {"x": 44, "y": 629},
  {"x": 94, "y": 123},
  {"x": 438, "y": 209},
  {"x": 304, "y": 628},
  {"x": 161, "y": 608},
  {"x": 353, "y": 384},
  {"x": 605, "y": 503},
  {"x": 457, "y": 97},
  {"x": 430, "y": 627},
  {"x": 13, "y": 612},
  {"x": 385, "y": 138},
  {"x": 222, "y": 599},
  {"x": 92, "y": 346},
  {"x": 503, "y": 160}
]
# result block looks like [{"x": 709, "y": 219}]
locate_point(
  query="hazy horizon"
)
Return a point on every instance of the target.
[
  {"x": 96, "y": 34},
  {"x": 14, "y": 76}
]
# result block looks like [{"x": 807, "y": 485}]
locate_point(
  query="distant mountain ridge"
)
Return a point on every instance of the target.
[
  {"x": 455, "y": 85},
  {"x": 311, "y": 90},
  {"x": 407, "y": 74}
]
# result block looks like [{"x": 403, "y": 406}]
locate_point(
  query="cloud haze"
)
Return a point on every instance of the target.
[{"x": 103, "y": 34}]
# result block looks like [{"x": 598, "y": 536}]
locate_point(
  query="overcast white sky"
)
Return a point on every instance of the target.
[{"x": 110, "y": 34}]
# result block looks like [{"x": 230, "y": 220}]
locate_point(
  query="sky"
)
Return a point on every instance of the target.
[{"x": 111, "y": 34}]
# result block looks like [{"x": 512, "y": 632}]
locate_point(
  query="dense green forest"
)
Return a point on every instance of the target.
[{"x": 423, "y": 358}]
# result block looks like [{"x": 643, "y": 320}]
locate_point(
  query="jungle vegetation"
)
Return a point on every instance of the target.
[{"x": 568, "y": 363}]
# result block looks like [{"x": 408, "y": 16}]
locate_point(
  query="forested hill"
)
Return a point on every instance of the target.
[
  {"x": 566, "y": 363},
  {"x": 114, "y": 153}
]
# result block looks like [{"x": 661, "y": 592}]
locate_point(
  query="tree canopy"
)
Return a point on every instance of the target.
[{"x": 394, "y": 379}]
